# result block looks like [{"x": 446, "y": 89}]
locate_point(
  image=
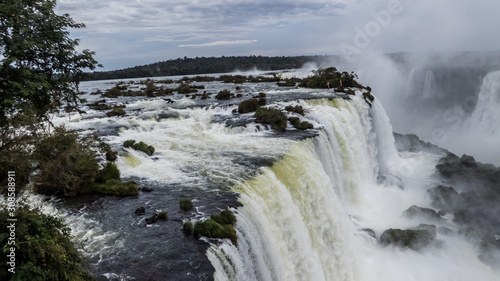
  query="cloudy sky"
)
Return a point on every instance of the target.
[{"x": 126, "y": 33}]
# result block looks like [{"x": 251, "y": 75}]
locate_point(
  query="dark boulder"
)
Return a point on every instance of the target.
[
  {"x": 145, "y": 189},
  {"x": 445, "y": 198},
  {"x": 424, "y": 213},
  {"x": 369, "y": 231},
  {"x": 152, "y": 219},
  {"x": 111, "y": 155},
  {"x": 140, "y": 211},
  {"x": 414, "y": 238}
]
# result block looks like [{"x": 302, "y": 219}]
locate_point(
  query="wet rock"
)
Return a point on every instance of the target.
[
  {"x": 414, "y": 238},
  {"x": 445, "y": 198},
  {"x": 140, "y": 211},
  {"x": 424, "y": 213},
  {"x": 145, "y": 189},
  {"x": 152, "y": 219},
  {"x": 446, "y": 231},
  {"x": 369, "y": 231},
  {"x": 111, "y": 155}
]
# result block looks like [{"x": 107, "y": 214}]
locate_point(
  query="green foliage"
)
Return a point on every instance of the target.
[
  {"x": 112, "y": 187},
  {"x": 186, "y": 204},
  {"x": 225, "y": 217},
  {"x": 287, "y": 83},
  {"x": 271, "y": 116},
  {"x": 67, "y": 163},
  {"x": 69, "y": 167},
  {"x": 297, "y": 109},
  {"x": 186, "y": 89},
  {"x": 304, "y": 125},
  {"x": 212, "y": 229},
  {"x": 109, "y": 172},
  {"x": 322, "y": 77},
  {"x": 369, "y": 98},
  {"x": 223, "y": 95},
  {"x": 247, "y": 106},
  {"x": 218, "y": 226},
  {"x": 141, "y": 146},
  {"x": 162, "y": 215},
  {"x": 203, "y": 65},
  {"x": 15, "y": 155},
  {"x": 187, "y": 227},
  {"x": 237, "y": 79},
  {"x": 39, "y": 66},
  {"x": 117, "y": 111},
  {"x": 118, "y": 90},
  {"x": 43, "y": 249}
]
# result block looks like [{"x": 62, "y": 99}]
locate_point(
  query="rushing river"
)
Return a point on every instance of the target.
[{"x": 310, "y": 205}]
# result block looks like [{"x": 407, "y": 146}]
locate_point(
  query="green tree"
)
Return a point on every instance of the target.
[
  {"x": 43, "y": 248},
  {"x": 40, "y": 68}
]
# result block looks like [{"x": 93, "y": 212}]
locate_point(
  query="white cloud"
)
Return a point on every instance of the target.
[{"x": 221, "y": 43}]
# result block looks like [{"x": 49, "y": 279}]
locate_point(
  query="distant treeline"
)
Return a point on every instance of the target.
[{"x": 204, "y": 65}]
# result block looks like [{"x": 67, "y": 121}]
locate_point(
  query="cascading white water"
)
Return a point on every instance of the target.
[
  {"x": 429, "y": 85},
  {"x": 301, "y": 218},
  {"x": 293, "y": 224},
  {"x": 487, "y": 112}
]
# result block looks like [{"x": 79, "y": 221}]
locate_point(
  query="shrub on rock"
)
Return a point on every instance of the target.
[
  {"x": 223, "y": 95},
  {"x": 141, "y": 146},
  {"x": 117, "y": 111},
  {"x": 162, "y": 215},
  {"x": 212, "y": 229},
  {"x": 271, "y": 116},
  {"x": 186, "y": 204},
  {"x": 297, "y": 109},
  {"x": 187, "y": 227},
  {"x": 247, "y": 106}
]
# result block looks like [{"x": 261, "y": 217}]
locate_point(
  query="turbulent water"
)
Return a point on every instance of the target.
[{"x": 309, "y": 205}]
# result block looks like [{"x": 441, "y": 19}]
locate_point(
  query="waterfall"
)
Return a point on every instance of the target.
[
  {"x": 487, "y": 113},
  {"x": 429, "y": 85},
  {"x": 295, "y": 223}
]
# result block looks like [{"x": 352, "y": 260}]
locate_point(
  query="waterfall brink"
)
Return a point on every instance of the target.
[{"x": 295, "y": 223}]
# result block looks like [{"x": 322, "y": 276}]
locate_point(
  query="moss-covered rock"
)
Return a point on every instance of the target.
[
  {"x": 247, "y": 106},
  {"x": 111, "y": 155},
  {"x": 297, "y": 109},
  {"x": 117, "y": 111},
  {"x": 297, "y": 124},
  {"x": 369, "y": 98},
  {"x": 186, "y": 204},
  {"x": 416, "y": 238},
  {"x": 225, "y": 217},
  {"x": 141, "y": 146},
  {"x": 224, "y": 95},
  {"x": 212, "y": 229},
  {"x": 330, "y": 77},
  {"x": 162, "y": 215},
  {"x": 271, "y": 116}
]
